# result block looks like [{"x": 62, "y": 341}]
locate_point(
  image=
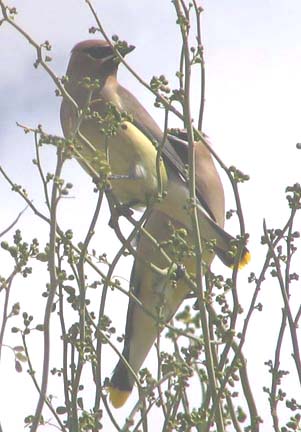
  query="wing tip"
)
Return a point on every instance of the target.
[{"x": 118, "y": 397}]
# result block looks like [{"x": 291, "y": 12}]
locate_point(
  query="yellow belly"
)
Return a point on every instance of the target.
[{"x": 130, "y": 155}]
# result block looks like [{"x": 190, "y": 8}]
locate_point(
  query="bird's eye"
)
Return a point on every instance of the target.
[{"x": 99, "y": 52}]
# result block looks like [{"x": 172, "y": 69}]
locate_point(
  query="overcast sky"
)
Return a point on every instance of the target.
[{"x": 252, "y": 115}]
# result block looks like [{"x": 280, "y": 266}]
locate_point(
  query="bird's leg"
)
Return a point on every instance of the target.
[
  {"x": 125, "y": 211},
  {"x": 179, "y": 274},
  {"x": 180, "y": 271},
  {"x": 116, "y": 208},
  {"x": 120, "y": 209},
  {"x": 117, "y": 211}
]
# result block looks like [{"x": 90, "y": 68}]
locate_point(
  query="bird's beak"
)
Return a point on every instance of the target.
[{"x": 126, "y": 50}]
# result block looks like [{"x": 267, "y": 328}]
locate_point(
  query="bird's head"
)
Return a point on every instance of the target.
[{"x": 95, "y": 58}]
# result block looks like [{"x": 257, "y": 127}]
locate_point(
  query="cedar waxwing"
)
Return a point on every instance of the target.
[
  {"x": 155, "y": 291},
  {"x": 132, "y": 156}
]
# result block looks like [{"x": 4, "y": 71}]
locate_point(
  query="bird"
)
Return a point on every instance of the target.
[
  {"x": 157, "y": 290},
  {"x": 131, "y": 150}
]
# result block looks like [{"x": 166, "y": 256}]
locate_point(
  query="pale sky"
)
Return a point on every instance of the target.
[{"x": 252, "y": 115}]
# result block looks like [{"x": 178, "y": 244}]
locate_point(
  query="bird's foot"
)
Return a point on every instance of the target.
[
  {"x": 180, "y": 271},
  {"x": 117, "y": 211},
  {"x": 125, "y": 210}
]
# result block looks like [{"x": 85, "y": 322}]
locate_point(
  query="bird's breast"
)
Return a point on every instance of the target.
[{"x": 128, "y": 155}]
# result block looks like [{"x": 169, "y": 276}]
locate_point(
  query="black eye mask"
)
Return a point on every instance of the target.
[{"x": 99, "y": 52}]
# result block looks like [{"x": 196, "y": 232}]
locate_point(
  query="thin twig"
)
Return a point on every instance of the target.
[
  {"x": 293, "y": 333},
  {"x": 13, "y": 223},
  {"x": 7, "y": 286},
  {"x": 52, "y": 291},
  {"x": 107, "y": 281},
  {"x": 194, "y": 218},
  {"x": 200, "y": 50},
  {"x": 39, "y": 53},
  {"x": 82, "y": 306},
  {"x": 65, "y": 347},
  {"x": 31, "y": 372},
  {"x": 275, "y": 378}
]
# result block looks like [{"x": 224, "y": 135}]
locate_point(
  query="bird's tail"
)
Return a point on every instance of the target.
[
  {"x": 120, "y": 386},
  {"x": 123, "y": 378}
]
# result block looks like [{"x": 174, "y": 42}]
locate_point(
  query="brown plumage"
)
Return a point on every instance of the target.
[{"x": 132, "y": 155}]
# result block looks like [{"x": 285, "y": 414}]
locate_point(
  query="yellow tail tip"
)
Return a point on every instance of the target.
[
  {"x": 245, "y": 259},
  {"x": 118, "y": 397}
]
